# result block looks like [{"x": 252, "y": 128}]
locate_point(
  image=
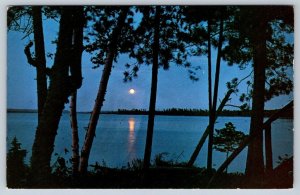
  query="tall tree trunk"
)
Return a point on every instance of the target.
[
  {"x": 255, "y": 162},
  {"x": 268, "y": 150},
  {"x": 58, "y": 93},
  {"x": 210, "y": 112},
  {"x": 76, "y": 80},
  {"x": 112, "y": 49},
  {"x": 77, "y": 48},
  {"x": 151, "y": 115},
  {"x": 40, "y": 59},
  {"x": 212, "y": 115},
  {"x": 209, "y": 66}
]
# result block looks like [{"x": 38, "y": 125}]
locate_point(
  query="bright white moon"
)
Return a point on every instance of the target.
[{"x": 132, "y": 91}]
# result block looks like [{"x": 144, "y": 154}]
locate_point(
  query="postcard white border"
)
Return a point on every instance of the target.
[{"x": 3, "y": 77}]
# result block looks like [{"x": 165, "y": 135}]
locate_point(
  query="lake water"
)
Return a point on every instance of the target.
[{"x": 121, "y": 138}]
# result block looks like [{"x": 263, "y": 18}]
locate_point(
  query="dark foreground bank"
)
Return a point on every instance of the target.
[
  {"x": 162, "y": 174},
  {"x": 156, "y": 177}
]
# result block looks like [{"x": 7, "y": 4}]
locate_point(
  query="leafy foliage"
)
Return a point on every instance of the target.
[
  {"x": 244, "y": 97},
  {"x": 102, "y": 21},
  {"x": 19, "y": 18},
  {"x": 16, "y": 168},
  {"x": 280, "y": 50},
  {"x": 172, "y": 43}
]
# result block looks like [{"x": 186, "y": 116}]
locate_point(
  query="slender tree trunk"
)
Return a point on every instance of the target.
[
  {"x": 40, "y": 59},
  {"x": 58, "y": 93},
  {"x": 206, "y": 132},
  {"x": 268, "y": 149},
  {"x": 209, "y": 67},
  {"x": 75, "y": 138},
  {"x": 76, "y": 79},
  {"x": 77, "y": 48},
  {"x": 214, "y": 105},
  {"x": 255, "y": 161},
  {"x": 151, "y": 115},
  {"x": 86, "y": 149},
  {"x": 210, "y": 112}
]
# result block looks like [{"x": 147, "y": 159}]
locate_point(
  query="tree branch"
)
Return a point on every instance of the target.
[
  {"x": 268, "y": 83},
  {"x": 31, "y": 60},
  {"x": 245, "y": 78},
  {"x": 232, "y": 105},
  {"x": 27, "y": 52}
]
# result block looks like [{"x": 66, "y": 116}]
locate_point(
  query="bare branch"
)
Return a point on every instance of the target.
[
  {"x": 28, "y": 25},
  {"x": 268, "y": 83},
  {"x": 28, "y": 33},
  {"x": 232, "y": 105},
  {"x": 245, "y": 77}
]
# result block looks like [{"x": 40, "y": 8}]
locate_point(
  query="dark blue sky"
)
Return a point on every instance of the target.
[{"x": 175, "y": 89}]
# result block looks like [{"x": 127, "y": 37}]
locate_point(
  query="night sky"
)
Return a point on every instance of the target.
[{"x": 175, "y": 89}]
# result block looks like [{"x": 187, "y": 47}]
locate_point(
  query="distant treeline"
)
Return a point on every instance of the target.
[
  {"x": 198, "y": 112},
  {"x": 176, "y": 112}
]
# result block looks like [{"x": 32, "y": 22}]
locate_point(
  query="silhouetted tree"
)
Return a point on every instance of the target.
[
  {"x": 258, "y": 41},
  {"x": 106, "y": 56},
  {"x": 232, "y": 88},
  {"x": 281, "y": 112},
  {"x": 215, "y": 97},
  {"x": 76, "y": 78},
  {"x": 150, "y": 127},
  {"x": 227, "y": 139},
  {"x": 216, "y": 15},
  {"x": 159, "y": 40},
  {"x": 17, "y": 14},
  {"x": 61, "y": 85},
  {"x": 255, "y": 161}
]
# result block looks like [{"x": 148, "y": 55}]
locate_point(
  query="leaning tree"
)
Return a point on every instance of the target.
[{"x": 110, "y": 37}]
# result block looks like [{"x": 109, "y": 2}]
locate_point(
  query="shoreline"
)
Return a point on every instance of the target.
[{"x": 225, "y": 113}]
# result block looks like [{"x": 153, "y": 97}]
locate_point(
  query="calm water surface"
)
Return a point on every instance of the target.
[{"x": 121, "y": 138}]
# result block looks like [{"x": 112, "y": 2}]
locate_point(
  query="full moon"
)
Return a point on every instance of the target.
[{"x": 132, "y": 91}]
